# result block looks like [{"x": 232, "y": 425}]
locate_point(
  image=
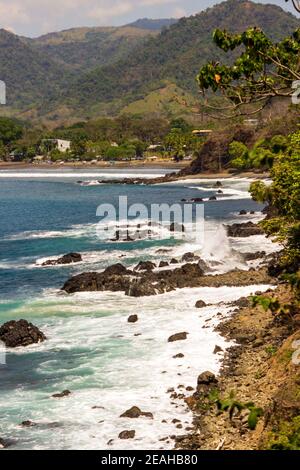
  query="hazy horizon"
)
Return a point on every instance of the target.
[{"x": 33, "y": 18}]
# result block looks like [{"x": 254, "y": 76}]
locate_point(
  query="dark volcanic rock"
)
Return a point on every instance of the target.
[
  {"x": 243, "y": 302},
  {"x": 133, "y": 319},
  {"x": 66, "y": 259},
  {"x": 213, "y": 198},
  {"x": 197, "y": 199},
  {"x": 5, "y": 443},
  {"x": 20, "y": 333},
  {"x": 178, "y": 337},
  {"x": 135, "y": 413},
  {"x": 163, "y": 264},
  {"x": 116, "y": 269},
  {"x": 175, "y": 227},
  {"x": 200, "y": 304},
  {"x": 218, "y": 185},
  {"x": 174, "y": 261},
  {"x": 127, "y": 435},
  {"x": 253, "y": 256},
  {"x": 28, "y": 424},
  {"x": 63, "y": 394},
  {"x": 217, "y": 350},
  {"x": 244, "y": 230},
  {"x": 205, "y": 383},
  {"x": 243, "y": 212},
  {"x": 188, "y": 257},
  {"x": 145, "y": 266}
]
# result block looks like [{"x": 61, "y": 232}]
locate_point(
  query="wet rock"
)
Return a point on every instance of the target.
[
  {"x": 70, "y": 258},
  {"x": 243, "y": 302},
  {"x": 243, "y": 212},
  {"x": 145, "y": 266},
  {"x": 244, "y": 230},
  {"x": 20, "y": 333},
  {"x": 65, "y": 393},
  {"x": 207, "y": 378},
  {"x": 5, "y": 443},
  {"x": 200, "y": 304},
  {"x": 197, "y": 199},
  {"x": 127, "y": 435},
  {"x": 178, "y": 337},
  {"x": 189, "y": 257},
  {"x": 174, "y": 261},
  {"x": 133, "y": 319},
  {"x": 135, "y": 413},
  {"x": 178, "y": 356},
  {"x": 28, "y": 424},
  {"x": 218, "y": 184},
  {"x": 218, "y": 350},
  {"x": 213, "y": 198},
  {"x": 116, "y": 270},
  {"x": 163, "y": 264},
  {"x": 254, "y": 256},
  {"x": 115, "y": 279},
  {"x": 175, "y": 227}
]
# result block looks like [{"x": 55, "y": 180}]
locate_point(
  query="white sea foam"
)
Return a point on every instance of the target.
[
  {"x": 76, "y": 174},
  {"x": 104, "y": 364}
]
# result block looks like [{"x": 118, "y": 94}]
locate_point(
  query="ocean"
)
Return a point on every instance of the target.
[{"x": 108, "y": 364}]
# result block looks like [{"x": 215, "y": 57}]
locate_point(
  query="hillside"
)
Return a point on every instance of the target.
[
  {"x": 87, "y": 48},
  {"x": 175, "y": 55},
  {"x": 153, "y": 25},
  {"x": 136, "y": 69},
  {"x": 30, "y": 76}
]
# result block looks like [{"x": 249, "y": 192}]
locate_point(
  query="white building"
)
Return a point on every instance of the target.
[{"x": 61, "y": 145}]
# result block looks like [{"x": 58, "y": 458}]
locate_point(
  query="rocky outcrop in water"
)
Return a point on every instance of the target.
[
  {"x": 178, "y": 337},
  {"x": 135, "y": 413},
  {"x": 20, "y": 333},
  {"x": 117, "y": 278},
  {"x": 66, "y": 259},
  {"x": 127, "y": 435},
  {"x": 244, "y": 230}
]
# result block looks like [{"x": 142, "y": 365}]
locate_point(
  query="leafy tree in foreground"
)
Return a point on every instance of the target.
[
  {"x": 263, "y": 70},
  {"x": 283, "y": 197}
]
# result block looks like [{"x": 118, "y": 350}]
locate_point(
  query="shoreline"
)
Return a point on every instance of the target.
[
  {"x": 6, "y": 166},
  {"x": 258, "y": 369}
]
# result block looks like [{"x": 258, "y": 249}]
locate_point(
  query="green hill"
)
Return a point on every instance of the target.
[
  {"x": 87, "y": 48},
  {"x": 135, "y": 69},
  {"x": 175, "y": 55}
]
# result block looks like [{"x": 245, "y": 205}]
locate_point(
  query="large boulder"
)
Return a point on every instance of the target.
[
  {"x": 66, "y": 259},
  {"x": 244, "y": 230},
  {"x": 133, "y": 319},
  {"x": 189, "y": 257},
  {"x": 135, "y": 413},
  {"x": 178, "y": 337},
  {"x": 176, "y": 227},
  {"x": 145, "y": 266},
  {"x": 116, "y": 278},
  {"x": 20, "y": 333},
  {"x": 127, "y": 435}
]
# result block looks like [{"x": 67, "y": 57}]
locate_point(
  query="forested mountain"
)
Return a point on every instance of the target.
[
  {"x": 134, "y": 69},
  {"x": 30, "y": 76},
  {"x": 87, "y": 48},
  {"x": 176, "y": 54}
]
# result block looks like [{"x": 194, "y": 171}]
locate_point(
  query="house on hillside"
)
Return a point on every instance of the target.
[
  {"x": 202, "y": 132},
  {"x": 59, "y": 144}
]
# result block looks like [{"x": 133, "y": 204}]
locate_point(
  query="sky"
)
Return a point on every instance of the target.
[{"x": 35, "y": 17}]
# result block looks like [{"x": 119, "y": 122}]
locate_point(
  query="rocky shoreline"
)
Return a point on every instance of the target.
[{"x": 257, "y": 375}]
